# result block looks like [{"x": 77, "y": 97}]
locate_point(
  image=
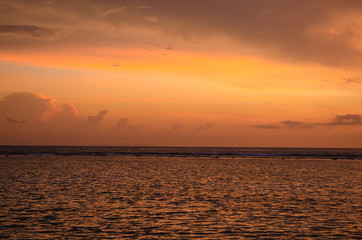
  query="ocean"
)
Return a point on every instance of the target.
[{"x": 180, "y": 193}]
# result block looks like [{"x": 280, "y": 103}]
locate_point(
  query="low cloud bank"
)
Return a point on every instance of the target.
[{"x": 339, "y": 120}]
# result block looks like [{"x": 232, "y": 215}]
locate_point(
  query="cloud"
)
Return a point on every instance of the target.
[
  {"x": 30, "y": 31},
  {"x": 66, "y": 116},
  {"x": 32, "y": 118},
  {"x": 28, "y": 107},
  {"x": 348, "y": 119},
  {"x": 307, "y": 31},
  {"x": 11, "y": 120},
  {"x": 113, "y": 11},
  {"x": 352, "y": 80},
  {"x": 130, "y": 130},
  {"x": 176, "y": 127},
  {"x": 326, "y": 32},
  {"x": 32, "y": 107},
  {"x": 153, "y": 44},
  {"x": 144, "y": 7},
  {"x": 48, "y": 1},
  {"x": 265, "y": 126},
  {"x": 121, "y": 124},
  {"x": 284, "y": 124},
  {"x": 339, "y": 120},
  {"x": 134, "y": 130},
  {"x": 151, "y": 19},
  {"x": 202, "y": 128},
  {"x": 296, "y": 124},
  {"x": 95, "y": 121}
]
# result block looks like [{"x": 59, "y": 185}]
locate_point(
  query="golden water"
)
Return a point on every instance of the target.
[{"x": 160, "y": 197}]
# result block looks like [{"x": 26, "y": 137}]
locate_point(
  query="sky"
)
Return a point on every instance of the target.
[{"x": 223, "y": 73}]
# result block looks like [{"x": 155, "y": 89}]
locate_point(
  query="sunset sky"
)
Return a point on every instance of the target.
[{"x": 238, "y": 73}]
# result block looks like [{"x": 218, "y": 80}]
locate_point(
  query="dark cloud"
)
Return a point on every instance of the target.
[
  {"x": 28, "y": 30},
  {"x": 295, "y": 30},
  {"x": 115, "y": 65},
  {"x": 292, "y": 30},
  {"x": 348, "y": 119},
  {"x": 202, "y": 128},
  {"x": 265, "y": 126},
  {"x": 11, "y": 120},
  {"x": 296, "y": 124},
  {"x": 95, "y": 121},
  {"x": 176, "y": 126},
  {"x": 303, "y": 31}
]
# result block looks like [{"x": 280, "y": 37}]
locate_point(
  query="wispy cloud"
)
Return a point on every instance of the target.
[
  {"x": 284, "y": 124},
  {"x": 292, "y": 31},
  {"x": 11, "y": 120},
  {"x": 348, "y": 119},
  {"x": 202, "y": 128},
  {"x": 339, "y": 120},
  {"x": 113, "y": 11},
  {"x": 265, "y": 126},
  {"x": 296, "y": 124},
  {"x": 144, "y": 7},
  {"x": 30, "y": 31},
  {"x": 151, "y": 19},
  {"x": 352, "y": 80}
]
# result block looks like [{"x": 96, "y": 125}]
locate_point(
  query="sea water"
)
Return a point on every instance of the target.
[{"x": 180, "y": 193}]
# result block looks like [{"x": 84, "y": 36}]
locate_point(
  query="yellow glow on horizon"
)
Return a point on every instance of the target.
[
  {"x": 243, "y": 71},
  {"x": 204, "y": 87},
  {"x": 201, "y": 78}
]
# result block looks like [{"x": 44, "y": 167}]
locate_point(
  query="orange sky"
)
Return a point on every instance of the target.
[{"x": 268, "y": 73}]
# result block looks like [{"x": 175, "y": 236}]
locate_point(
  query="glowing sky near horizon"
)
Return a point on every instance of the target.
[{"x": 275, "y": 73}]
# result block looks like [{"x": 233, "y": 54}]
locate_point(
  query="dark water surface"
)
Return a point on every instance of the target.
[{"x": 179, "y": 193}]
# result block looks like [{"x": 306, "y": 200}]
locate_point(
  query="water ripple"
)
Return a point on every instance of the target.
[{"x": 128, "y": 197}]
